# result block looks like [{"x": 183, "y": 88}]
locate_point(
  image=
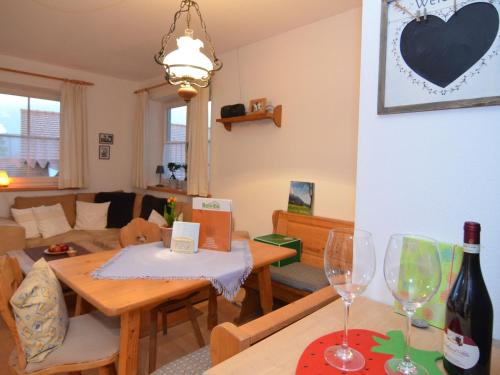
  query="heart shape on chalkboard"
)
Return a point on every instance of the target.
[{"x": 442, "y": 51}]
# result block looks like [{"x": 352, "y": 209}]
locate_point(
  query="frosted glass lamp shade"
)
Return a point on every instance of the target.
[
  {"x": 4, "y": 179},
  {"x": 188, "y": 53}
]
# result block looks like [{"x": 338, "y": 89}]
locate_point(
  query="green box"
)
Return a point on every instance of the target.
[{"x": 283, "y": 241}]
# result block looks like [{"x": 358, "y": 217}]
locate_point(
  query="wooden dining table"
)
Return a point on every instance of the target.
[
  {"x": 279, "y": 354},
  {"x": 127, "y": 298}
]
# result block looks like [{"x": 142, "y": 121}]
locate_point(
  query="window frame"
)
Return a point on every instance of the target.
[
  {"x": 35, "y": 182},
  {"x": 167, "y": 126}
]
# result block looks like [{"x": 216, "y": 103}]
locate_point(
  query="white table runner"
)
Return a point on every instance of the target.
[{"x": 227, "y": 271}]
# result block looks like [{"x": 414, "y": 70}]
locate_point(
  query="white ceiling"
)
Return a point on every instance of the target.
[{"x": 120, "y": 37}]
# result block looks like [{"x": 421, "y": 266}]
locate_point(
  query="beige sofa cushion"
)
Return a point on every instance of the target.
[
  {"x": 40, "y": 312},
  {"x": 93, "y": 216},
  {"x": 26, "y": 218},
  {"x": 51, "y": 220},
  {"x": 67, "y": 202}
]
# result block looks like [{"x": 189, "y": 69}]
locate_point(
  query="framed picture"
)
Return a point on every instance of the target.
[
  {"x": 106, "y": 139},
  {"x": 300, "y": 198},
  {"x": 104, "y": 152},
  {"x": 438, "y": 55},
  {"x": 258, "y": 105}
]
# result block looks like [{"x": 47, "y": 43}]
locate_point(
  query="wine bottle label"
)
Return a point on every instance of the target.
[
  {"x": 471, "y": 248},
  {"x": 460, "y": 350}
]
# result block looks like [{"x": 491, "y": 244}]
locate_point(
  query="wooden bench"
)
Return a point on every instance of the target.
[{"x": 313, "y": 232}]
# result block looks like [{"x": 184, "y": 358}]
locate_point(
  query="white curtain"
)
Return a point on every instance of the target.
[
  {"x": 73, "y": 169},
  {"x": 197, "y": 137},
  {"x": 140, "y": 127}
]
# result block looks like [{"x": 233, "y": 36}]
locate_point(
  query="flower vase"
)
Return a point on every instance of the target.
[{"x": 166, "y": 236}]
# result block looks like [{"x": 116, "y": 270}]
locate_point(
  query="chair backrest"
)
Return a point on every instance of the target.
[
  {"x": 10, "y": 279},
  {"x": 139, "y": 231},
  {"x": 312, "y": 230},
  {"x": 227, "y": 339}
]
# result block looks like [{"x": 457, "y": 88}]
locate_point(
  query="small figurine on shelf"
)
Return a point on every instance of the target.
[{"x": 169, "y": 211}]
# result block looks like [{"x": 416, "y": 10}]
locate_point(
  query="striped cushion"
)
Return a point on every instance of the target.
[{"x": 300, "y": 276}]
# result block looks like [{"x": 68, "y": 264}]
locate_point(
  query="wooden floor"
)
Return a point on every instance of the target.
[{"x": 179, "y": 341}]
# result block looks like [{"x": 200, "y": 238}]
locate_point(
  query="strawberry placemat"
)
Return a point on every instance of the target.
[{"x": 375, "y": 347}]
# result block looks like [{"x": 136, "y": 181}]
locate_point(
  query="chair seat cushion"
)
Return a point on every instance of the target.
[
  {"x": 300, "y": 276},
  {"x": 89, "y": 337},
  {"x": 195, "y": 363}
]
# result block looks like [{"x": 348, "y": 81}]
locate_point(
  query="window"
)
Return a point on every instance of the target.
[
  {"x": 29, "y": 136},
  {"x": 174, "y": 150}
]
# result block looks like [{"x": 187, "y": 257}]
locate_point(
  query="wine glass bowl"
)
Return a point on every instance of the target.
[
  {"x": 412, "y": 272},
  {"x": 349, "y": 262}
]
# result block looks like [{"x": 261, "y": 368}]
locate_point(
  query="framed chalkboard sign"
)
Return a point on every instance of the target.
[{"x": 439, "y": 54}]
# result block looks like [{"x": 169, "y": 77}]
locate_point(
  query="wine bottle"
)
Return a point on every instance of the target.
[{"x": 469, "y": 314}]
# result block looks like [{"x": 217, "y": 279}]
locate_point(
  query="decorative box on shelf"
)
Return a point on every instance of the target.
[{"x": 283, "y": 241}]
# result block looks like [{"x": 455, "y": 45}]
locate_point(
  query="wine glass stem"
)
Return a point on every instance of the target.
[
  {"x": 407, "y": 363},
  {"x": 347, "y": 306}
]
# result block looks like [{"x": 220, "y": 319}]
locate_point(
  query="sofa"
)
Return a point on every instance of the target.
[{"x": 13, "y": 236}]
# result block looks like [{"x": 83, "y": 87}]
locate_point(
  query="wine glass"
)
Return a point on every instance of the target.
[
  {"x": 349, "y": 263},
  {"x": 412, "y": 271}
]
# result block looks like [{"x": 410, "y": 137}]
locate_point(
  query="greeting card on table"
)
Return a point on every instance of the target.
[
  {"x": 214, "y": 216},
  {"x": 185, "y": 237}
]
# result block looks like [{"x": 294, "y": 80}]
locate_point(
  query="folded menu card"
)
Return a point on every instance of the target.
[
  {"x": 185, "y": 237},
  {"x": 214, "y": 216}
]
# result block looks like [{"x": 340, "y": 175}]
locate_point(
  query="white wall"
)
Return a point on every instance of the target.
[
  {"x": 313, "y": 71},
  {"x": 425, "y": 173},
  {"x": 110, "y": 110}
]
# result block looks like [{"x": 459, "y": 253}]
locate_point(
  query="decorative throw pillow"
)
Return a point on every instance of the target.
[
  {"x": 156, "y": 218},
  {"x": 51, "y": 220},
  {"x": 40, "y": 312},
  {"x": 151, "y": 203},
  {"x": 26, "y": 219},
  {"x": 91, "y": 216},
  {"x": 121, "y": 209}
]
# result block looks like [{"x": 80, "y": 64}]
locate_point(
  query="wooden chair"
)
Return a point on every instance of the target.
[
  {"x": 139, "y": 231},
  {"x": 76, "y": 353},
  {"x": 228, "y": 340}
]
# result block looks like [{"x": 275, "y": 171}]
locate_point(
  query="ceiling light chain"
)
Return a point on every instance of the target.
[{"x": 187, "y": 65}]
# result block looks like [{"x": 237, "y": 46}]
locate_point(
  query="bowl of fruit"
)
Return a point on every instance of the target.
[{"x": 57, "y": 249}]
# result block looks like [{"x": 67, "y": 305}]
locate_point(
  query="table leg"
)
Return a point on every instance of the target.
[
  {"x": 129, "y": 342},
  {"x": 212, "y": 319},
  {"x": 265, "y": 289}
]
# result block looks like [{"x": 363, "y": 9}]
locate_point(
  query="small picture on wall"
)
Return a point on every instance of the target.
[
  {"x": 258, "y": 105},
  {"x": 300, "y": 198},
  {"x": 104, "y": 152},
  {"x": 106, "y": 138}
]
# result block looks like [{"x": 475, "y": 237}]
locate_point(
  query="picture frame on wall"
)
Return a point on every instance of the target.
[
  {"x": 106, "y": 138},
  {"x": 258, "y": 105},
  {"x": 438, "y": 55},
  {"x": 104, "y": 152},
  {"x": 301, "y": 197}
]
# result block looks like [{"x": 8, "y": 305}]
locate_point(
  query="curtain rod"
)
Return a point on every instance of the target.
[
  {"x": 150, "y": 87},
  {"x": 46, "y": 76}
]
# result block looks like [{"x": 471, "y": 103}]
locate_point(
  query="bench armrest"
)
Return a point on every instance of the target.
[
  {"x": 12, "y": 234},
  {"x": 227, "y": 340}
]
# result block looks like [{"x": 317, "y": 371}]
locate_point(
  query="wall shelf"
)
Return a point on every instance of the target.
[{"x": 275, "y": 116}]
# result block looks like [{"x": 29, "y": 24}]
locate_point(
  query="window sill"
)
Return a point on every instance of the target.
[
  {"x": 167, "y": 189},
  {"x": 27, "y": 188}
]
